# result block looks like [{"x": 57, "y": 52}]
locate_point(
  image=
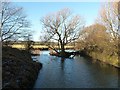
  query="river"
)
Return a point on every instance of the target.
[{"x": 79, "y": 72}]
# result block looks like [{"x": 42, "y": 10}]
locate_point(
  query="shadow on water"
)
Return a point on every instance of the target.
[{"x": 79, "y": 72}]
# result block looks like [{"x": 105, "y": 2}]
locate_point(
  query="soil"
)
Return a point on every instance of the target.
[{"x": 18, "y": 68}]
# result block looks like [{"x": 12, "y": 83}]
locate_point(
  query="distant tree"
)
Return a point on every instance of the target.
[
  {"x": 62, "y": 27},
  {"x": 28, "y": 42},
  {"x": 13, "y": 22}
]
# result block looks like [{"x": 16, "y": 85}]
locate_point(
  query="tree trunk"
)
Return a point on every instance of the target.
[
  {"x": 62, "y": 48},
  {"x": 62, "y": 53}
]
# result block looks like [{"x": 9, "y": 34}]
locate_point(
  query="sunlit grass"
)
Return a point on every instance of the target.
[{"x": 112, "y": 60}]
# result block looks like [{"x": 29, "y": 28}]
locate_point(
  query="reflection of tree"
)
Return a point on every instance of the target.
[
  {"x": 118, "y": 79},
  {"x": 62, "y": 63}
]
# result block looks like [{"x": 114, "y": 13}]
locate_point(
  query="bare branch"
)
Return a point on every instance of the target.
[
  {"x": 13, "y": 21},
  {"x": 62, "y": 27}
]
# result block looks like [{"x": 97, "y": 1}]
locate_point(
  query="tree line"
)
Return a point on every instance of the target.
[{"x": 102, "y": 39}]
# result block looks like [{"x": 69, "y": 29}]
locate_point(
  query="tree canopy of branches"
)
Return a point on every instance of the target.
[
  {"x": 13, "y": 22},
  {"x": 62, "y": 27},
  {"x": 109, "y": 17}
]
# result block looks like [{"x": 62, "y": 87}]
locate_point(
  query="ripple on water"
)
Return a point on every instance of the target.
[{"x": 79, "y": 72}]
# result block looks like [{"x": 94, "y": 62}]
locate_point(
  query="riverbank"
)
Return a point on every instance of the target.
[
  {"x": 102, "y": 57},
  {"x": 18, "y": 68}
]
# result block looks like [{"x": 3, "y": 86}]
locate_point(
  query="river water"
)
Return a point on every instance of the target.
[{"x": 79, "y": 72}]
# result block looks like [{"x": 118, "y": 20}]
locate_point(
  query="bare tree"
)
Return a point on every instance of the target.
[
  {"x": 62, "y": 27},
  {"x": 109, "y": 17},
  {"x": 12, "y": 21}
]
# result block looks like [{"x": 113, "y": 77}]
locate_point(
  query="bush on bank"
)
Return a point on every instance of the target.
[{"x": 103, "y": 57}]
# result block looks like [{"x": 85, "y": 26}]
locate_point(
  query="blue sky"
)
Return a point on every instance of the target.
[{"x": 36, "y": 10}]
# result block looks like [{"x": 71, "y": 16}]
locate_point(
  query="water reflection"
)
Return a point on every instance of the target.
[
  {"x": 75, "y": 73},
  {"x": 62, "y": 63}
]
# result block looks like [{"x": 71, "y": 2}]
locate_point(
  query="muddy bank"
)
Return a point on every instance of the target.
[{"x": 18, "y": 68}]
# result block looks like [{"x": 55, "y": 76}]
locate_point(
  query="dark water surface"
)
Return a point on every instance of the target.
[{"x": 79, "y": 72}]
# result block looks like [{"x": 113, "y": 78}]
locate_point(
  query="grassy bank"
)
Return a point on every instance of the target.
[
  {"x": 112, "y": 60},
  {"x": 103, "y": 57},
  {"x": 18, "y": 68}
]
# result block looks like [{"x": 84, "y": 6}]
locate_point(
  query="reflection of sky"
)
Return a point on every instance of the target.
[
  {"x": 36, "y": 10},
  {"x": 44, "y": 52}
]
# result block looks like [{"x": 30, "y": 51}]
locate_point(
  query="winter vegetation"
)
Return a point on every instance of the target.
[{"x": 100, "y": 41}]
